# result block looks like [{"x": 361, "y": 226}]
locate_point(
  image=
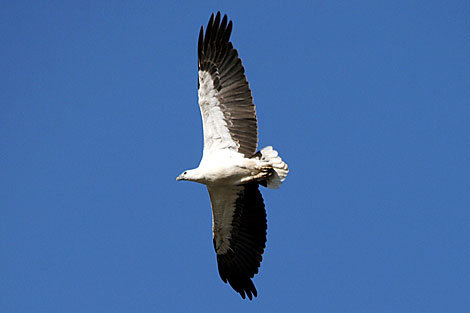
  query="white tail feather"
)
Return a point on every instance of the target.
[{"x": 281, "y": 169}]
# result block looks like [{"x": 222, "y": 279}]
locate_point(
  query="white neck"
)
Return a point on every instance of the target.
[{"x": 194, "y": 175}]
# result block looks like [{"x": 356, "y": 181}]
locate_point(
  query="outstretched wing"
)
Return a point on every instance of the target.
[
  {"x": 239, "y": 234},
  {"x": 227, "y": 109}
]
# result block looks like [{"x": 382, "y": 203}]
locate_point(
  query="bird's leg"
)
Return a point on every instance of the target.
[{"x": 264, "y": 171}]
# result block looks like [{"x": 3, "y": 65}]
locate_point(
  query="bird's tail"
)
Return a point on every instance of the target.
[{"x": 280, "y": 169}]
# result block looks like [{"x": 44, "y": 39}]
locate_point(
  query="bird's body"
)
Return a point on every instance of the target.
[
  {"x": 230, "y": 167},
  {"x": 224, "y": 167}
]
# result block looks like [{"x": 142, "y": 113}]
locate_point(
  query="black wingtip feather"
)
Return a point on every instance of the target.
[
  {"x": 223, "y": 25},
  {"x": 217, "y": 19},
  {"x": 200, "y": 44},
  {"x": 228, "y": 32}
]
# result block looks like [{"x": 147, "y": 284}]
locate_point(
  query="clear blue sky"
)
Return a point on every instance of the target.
[{"x": 368, "y": 102}]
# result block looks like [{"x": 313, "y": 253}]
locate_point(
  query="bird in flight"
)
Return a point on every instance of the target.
[{"x": 230, "y": 167}]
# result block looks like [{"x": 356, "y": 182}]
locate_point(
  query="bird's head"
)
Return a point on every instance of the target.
[
  {"x": 191, "y": 175},
  {"x": 182, "y": 176}
]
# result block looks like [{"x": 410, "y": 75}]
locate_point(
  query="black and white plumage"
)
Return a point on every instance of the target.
[{"x": 230, "y": 167}]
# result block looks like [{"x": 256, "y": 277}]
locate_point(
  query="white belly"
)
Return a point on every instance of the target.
[{"x": 227, "y": 169}]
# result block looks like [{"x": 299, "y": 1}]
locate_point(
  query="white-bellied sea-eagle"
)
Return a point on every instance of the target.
[{"x": 230, "y": 167}]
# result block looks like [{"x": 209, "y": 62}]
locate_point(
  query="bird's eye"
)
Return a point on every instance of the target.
[{"x": 185, "y": 173}]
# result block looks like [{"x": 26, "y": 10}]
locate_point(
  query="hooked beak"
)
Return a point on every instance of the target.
[{"x": 179, "y": 178}]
